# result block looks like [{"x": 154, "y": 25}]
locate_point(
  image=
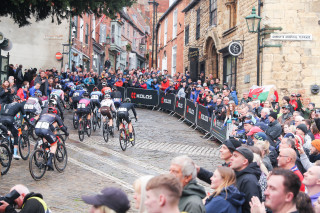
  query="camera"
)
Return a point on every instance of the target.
[
  {"x": 10, "y": 197},
  {"x": 298, "y": 95}
]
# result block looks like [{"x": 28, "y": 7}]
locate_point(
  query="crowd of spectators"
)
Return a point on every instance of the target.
[{"x": 272, "y": 153}]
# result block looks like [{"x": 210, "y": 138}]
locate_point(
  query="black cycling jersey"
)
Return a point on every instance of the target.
[
  {"x": 125, "y": 108},
  {"x": 46, "y": 106},
  {"x": 3, "y": 128},
  {"x": 12, "y": 109},
  {"x": 49, "y": 119}
]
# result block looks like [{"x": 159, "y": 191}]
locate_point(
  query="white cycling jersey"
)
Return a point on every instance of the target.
[{"x": 108, "y": 103}]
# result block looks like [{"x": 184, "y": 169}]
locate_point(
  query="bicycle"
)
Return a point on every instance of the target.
[
  {"x": 107, "y": 130},
  {"x": 39, "y": 158},
  {"x": 84, "y": 127},
  {"x": 67, "y": 105},
  {"x": 28, "y": 129},
  {"x": 5, "y": 158},
  {"x": 124, "y": 136},
  {"x": 96, "y": 119},
  {"x": 75, "y": 120}
]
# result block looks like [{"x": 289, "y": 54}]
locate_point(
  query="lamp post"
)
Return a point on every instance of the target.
[{"x": 253, "y": 22}]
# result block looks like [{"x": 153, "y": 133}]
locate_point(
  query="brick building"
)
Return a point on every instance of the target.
[
  {"x": 170, "y": 38},
  {"x": 211, "y": 25}
]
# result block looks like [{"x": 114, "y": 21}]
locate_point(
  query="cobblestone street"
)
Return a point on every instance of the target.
[{"x": 94, "y": 164}]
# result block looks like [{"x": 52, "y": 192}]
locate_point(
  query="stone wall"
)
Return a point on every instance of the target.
[{"x": 295, "y": 66}]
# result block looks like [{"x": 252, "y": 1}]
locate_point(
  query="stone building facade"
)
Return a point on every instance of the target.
[{"x": 292, "y": 68}]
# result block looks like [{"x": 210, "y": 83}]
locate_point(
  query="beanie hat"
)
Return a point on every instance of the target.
[
  {"x": 247, "y": 153},
  {"x": 316, "y": 144},
  {"x": 303, "y": 128},
  {"x": 274, "y": 115},
  {"x": 232, "y": 144}
]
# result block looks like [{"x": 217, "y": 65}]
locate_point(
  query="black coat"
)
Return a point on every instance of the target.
[
  {"x": 248, "y": 183},
  {"x": 30, "y": 205},
  {"x": 5, "y": 97},
  {"x": 274, "y": 130}
]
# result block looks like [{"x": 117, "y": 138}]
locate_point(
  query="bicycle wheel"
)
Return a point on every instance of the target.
[
  {"x": 105, "y": 132},
  {"x": 81, "y": 131},
  {"x": 68, "y": 107},
  {"x": 123, "y": 139},
  {"x": 5, "y": 159},
  {"x": 99, "y": 119},
  {"x": 134, "y": 137},
  {"x": 61, "y": 157},
  {"x": 75, "y": 120},
  {"x": 60, "y": 138},
  {"x": 94, "y": 121},
  {"x": 38, "y": 164},
  {"x": 88, "y": 129},
  {"x": 24, "y": 147},
  {"x": 32, "y": 132}
]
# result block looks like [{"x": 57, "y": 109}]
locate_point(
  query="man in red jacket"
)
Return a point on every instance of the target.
[{"x": 165, "y": 84}]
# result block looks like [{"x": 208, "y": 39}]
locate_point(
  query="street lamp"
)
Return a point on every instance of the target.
[{"x": 253, "y": 21}]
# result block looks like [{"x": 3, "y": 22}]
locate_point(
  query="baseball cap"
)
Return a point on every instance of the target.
[
  {"x": 261, "y": 136},
  {"x": 289, "y": 135},
  {"x": 249, "y": 122},
  {"x": 293, "y": 95},
  {"x": 247, "y": 153},
  {"x": 111, "y": 197},
  {"x": 199, "y": 86},
  {"x": 254, "y": 130},
  {"x": 232, "y": 144},
  {"x": 262, "y": 126}
]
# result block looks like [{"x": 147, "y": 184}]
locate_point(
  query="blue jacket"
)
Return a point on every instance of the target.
[
  {"x": 194, "y": 97},
  {"x": 89, "y": 81},
  {"x": 32, "y": 91},
  {"x": 234, "y": 97},
  {"x": 226, "y": 203}
]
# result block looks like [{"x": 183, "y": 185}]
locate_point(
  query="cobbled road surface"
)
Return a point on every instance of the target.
[{"x": 94, "y": 164}]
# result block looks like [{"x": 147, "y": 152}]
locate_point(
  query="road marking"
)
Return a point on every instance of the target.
[{"x": 103, "y": 174}]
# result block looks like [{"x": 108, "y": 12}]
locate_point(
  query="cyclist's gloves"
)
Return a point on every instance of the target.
[{"x": 64, "y": 129}]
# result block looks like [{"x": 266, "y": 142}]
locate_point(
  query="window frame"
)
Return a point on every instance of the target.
[
  {"x": 213, "y": 12},
  {"x": 87, "y": 34},
  {"x": 186, "y": 35},
  {"x": 175, "y": 23},
  {"x": 165, "y": 32},
  {"x": 174, "y": 59},
  {"x": 198, "y": 24}
]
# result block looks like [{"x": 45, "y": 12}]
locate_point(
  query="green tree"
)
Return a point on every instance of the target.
[{"x": 21, "y": 11}]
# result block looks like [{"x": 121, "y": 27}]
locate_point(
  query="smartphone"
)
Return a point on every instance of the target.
[{"x": 297, "y": 145}]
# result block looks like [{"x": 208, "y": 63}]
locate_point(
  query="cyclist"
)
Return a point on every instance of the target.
[
  {"x": 96, "y": 97},
  {"x": 117, "y": 97},
  {"x": 45, "y": 128},
  {"x": 105, "y": 88},
  {"x": 123, "y": 114},
  {"x": 77, "y": 95},
  {"x": 8, "y": 112},
  {"x": 85, "y": 106},
  {"x": 59, "y": 93},
  {"x": 107, "y": 109},
  {"x": 33, "y": 105},
  {"x": 53, "y": 102}
]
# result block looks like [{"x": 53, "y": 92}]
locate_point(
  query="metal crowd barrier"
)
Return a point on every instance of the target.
[{"x": 195, "y": 114}]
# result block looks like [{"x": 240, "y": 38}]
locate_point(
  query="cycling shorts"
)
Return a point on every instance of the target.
[
  {"x": 123, "y": 116},
  {"x": 95, "y": 103},
  {"x": 75, "y": 102},
  {"x": 84, "y": 111},
  {"x": 105, "y": 111},
  {"x": 46, "y": 134}
]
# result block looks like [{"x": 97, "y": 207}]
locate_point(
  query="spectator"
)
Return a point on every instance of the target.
[
  {"x": 165, "y": 84},
  {"x": 303, "y": 203},
  {"x": 293, "y": 101},
  {"x": 27, "y": 201},
  {"x": 307, "y": 111},
  {"x": 248, "y": 174},
  {"x": 274, "y": 130},
  {"x": 287, "y": 160},
  {"x": 307, "y": 122},
  {"x": 34, "y": 89},
  {"x": 315, "y": 151},
  {"x": 302, "y": 130},
  {"x": 19, "y": 76},
  {"x": 281, "y": 193},
  {"x": 163, "y": 194},
  {"x": 226, "y": 150},
  {"x": 312, "y": 182},
  {"x": 5, "y": 93},
  {"x": 264, "y": 116},
  {"x": 246, "y": 99},
  {"x": 182, "y": 91},
  {"x": 43, "y": 81},
  {"x": 315, "y": 131},
  {"x": 139, "y": 187},
  {"x": 192, "y": 194},
  {"x": 264, "y": 146},
  {"x": 286, "y": 116},
  {"x": 226, "y": 197},
  {"x": 23, "y": 92},
  {"x": 234, "y": 95},
  {"x": 297, "y": 119},
  {"x": 109, "y": 199}
]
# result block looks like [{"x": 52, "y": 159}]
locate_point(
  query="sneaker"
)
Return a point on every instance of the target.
[
  {"x": 88, "y": 127},
  {"x": 131, "y": 139},
  {"x": 17, "y": 157}
]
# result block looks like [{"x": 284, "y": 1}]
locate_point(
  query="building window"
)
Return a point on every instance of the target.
[
  {"x": 198, "y": 24},
  {"x": 174, "y": 60},
  {"x": 113, "y": 34},
  {"x": 81, "y": 29},
  {"x": 232, "y": 7},
  {"x": 165, "y": 32},
  {"x": 175, "y": 20},
  {"x": 159, "y": 36},
  {"x": 128, "y": 29},
  {"x": 119, "y": 36},
  {"x": 213, "y": 12},
  {"x": 94, "y": 27},
  {"x": 171, "y": 2},
  {"x": 134, "y": 40},
  {"x": 87, "y": 34},
  {"x": 75, "y": 24},
  {"x": 229, "y": 70},
  {"x": 186, "y": 35}
]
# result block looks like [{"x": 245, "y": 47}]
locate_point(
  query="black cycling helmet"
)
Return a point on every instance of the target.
[
  {"x": 58, "y": 86},
  {"x": 127, "y": 100},
  {"x": 85, "y": 94}
]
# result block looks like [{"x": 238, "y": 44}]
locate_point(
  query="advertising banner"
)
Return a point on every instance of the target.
[
  {"x": 190, "y": 111},
  {"x": 203, "y": 119},
  {"x": 180, "y": 106},
  {"x": 218, "y": 129},
  {"x": 122, "y": 90},
  {"x": 167, "y": 101},
  {"x": 143, "y": 96}
]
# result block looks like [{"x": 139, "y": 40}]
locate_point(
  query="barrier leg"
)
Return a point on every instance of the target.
[
  {"x": 173, "y": 114},
  {"x": 183, "y": 120},
  {"x": 206, "y": 135},
  {"x": 180, "y": 119},
  {"x": 191, "y": 126},
  {"x": 153, "y": 108},
  {"x": 210, "y": 137}
]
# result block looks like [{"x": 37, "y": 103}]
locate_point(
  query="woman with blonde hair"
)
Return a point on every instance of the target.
[
  {"x": 226, "y": 197},
  {"x": 139, "y": 187}
]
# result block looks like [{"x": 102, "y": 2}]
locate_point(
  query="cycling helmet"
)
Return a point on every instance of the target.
[
  {"x": 95, "y": 89},
  {"x": 54, "y": 96},
  {"x": 38, "y": 93},
  {"x": 58, "y": 86},
  {"x": 85, "y": 94},
  {"x": 104, "y": 84},
  {"x": 73, "y": 87},
  {"x": 53, "y": 102},
  {"x": 107, "y": 96},
  {"x": 52, "y": 110},
  {"x": 127, "y": 100},
  {"x": 66, "y": 80},
  {"x": 79, "y": 87}
]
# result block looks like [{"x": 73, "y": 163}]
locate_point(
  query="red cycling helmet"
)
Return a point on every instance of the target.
[{"x": 53, "y": 110}]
